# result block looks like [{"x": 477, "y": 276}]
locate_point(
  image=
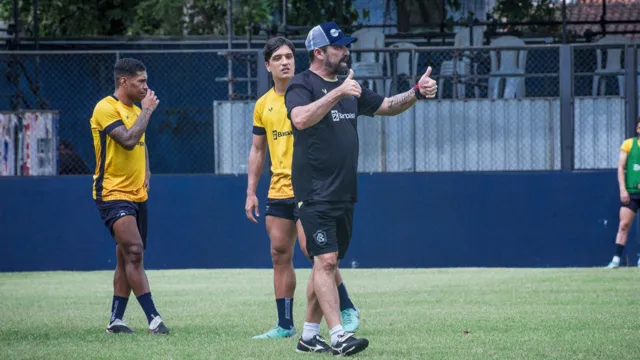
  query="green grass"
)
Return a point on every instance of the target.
[{"x": 406, "y": 314}]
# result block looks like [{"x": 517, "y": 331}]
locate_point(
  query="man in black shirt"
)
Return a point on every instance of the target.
[{"x": 324, "y": 110}]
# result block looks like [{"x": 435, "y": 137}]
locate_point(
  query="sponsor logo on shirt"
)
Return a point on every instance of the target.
[
  {"x": 278, "y": 134},
  {"x": 337, "y": 116}
]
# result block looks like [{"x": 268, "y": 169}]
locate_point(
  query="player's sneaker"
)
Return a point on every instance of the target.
[
  {"x": 119, "y": 327},
  {"x": 277, "y": 333},
  {"x": 350, "y": 320},
  {"x": 613, "y": 265},
  {"x": 348, "y": 345},
  {"x": 316, "y": 344},
  {"x": 157, "y": 326}
]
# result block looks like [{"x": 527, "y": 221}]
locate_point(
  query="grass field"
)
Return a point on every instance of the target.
[{"x": 406, "y": 314}]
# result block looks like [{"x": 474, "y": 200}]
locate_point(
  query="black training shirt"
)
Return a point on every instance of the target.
[{"x": 325, "y": 156}]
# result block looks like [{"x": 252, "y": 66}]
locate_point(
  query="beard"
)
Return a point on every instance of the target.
[{"x": 336, "y": 67}]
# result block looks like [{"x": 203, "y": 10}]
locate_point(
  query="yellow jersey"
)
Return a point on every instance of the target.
[
  {"x": 627, "y": 144},
  {"x": 119, "y": 173},
  {"x": 270, "y": 119}
]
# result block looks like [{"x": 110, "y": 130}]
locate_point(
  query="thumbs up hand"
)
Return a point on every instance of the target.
[
  {"x": 427, "y": 86},
  {"x": 350, "y": 87}
]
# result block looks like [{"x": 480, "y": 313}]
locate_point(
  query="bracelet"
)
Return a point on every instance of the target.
[{"x": 416, "y": 91}]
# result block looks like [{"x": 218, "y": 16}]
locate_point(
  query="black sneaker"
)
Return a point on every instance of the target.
[
  {"x": 316, "y": 344},
  {"x": 348, "y": 345},
  {"x": 157, "y": 326},
  {"x": 118, "y": 326}
]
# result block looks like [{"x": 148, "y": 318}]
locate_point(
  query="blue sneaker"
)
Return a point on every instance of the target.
[
  {"x": 277, "y": 333},
  {"x": 350, "y": 320}
]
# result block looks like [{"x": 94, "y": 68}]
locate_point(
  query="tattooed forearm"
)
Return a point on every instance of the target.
[
  {"x": 128, "y": 138},
  {"x": 401, "y": 99}
]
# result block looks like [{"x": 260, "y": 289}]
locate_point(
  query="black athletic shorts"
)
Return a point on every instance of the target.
[
  {"x": 327, "y": 226},
  {"x": 634, "y": 204},
  {"x": 112, "y": 210},
  {"x": 282, "y": 208}
]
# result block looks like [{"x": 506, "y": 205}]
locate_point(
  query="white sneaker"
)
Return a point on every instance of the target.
[
  {"x": 157, "y": 326},
  {"x": 119, "y": 326},
  {"x": 613, "y": 265}
]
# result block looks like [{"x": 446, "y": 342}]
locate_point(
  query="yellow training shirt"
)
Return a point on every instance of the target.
[
  {"x": 626, "y": 145},
  {"x": 270, "y": 119},
  {"x": 120, "y": 173}
]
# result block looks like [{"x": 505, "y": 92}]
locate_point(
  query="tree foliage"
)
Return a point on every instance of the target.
[
  {"x": 76, "y": 18},
  {"x": 527, "y": 10}
]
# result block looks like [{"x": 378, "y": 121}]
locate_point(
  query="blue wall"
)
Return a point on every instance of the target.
[{"x": 403, "y": 220}]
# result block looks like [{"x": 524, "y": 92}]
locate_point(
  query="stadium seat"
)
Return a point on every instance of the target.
[
  {"x": 406, "y": 67},
  {"x": 365, "y": 70},
  {"x": 462, "y": 60},
  {"x": 614, "y": 63},
  {"x": 507, "y": 62},
  {"x": 368, "y": 63},
  {"x": 367, "y": 39}
]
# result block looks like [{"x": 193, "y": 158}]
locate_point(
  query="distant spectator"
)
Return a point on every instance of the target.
[
  {"x": 70, "y": 162},
  {"x": 629, "y": 184}
]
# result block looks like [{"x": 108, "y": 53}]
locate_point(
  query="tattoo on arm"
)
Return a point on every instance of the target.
[
  {"x": 400, "y": 99},
  {"x": 128, "y": 138}
]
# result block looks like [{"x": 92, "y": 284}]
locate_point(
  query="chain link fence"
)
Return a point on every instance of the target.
[
  {"x": 498, "y": 108},
  {"x": 180, "y": 132},
  {"x": 600, "y": 86},
  {"x": 508, "y": 71}
]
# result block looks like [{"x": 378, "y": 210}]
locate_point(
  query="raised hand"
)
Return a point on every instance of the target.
[
  {"x": 150, "y": 101},
  {"x": 428, "y": 87},
  {"x": 350, "y": 87}
]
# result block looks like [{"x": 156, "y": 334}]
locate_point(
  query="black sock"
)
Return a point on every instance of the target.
[
  {"x": 149, "y": 309},
  {"x": 118, "y": 305},
  {"x": 619, "y": 249},
  {"x": 345, "y": 302},
  {"x": 285, "y": 313}
]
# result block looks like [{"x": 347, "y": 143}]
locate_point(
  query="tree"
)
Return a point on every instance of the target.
[
  {"x": 78, "y": 18},
  {"x": 526, "y": 10},
  {"x": 73, "y": 17},
  {"x": 312, "y": 12}
]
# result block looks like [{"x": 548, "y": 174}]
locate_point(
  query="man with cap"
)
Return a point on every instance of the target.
[{"x": 323, "y": 110}]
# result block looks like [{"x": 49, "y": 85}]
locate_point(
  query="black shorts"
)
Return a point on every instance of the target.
[
  {"x": 327, "y": 226},
  {"x": 282, "y": 208},
  {"x": 634, "y": 204},
  {"x": 112, "y": 210}
]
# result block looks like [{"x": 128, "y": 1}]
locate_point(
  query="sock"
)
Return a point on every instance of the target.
[
  {"x": 345, "y": 302},
  {"x": 149, "y": 309},
  {"x": 335, "y": 332},
  {"x": 619, "y": 249},
  {"x": 285, "y": 314},
  {"x": 310, "y": 330},
  {"x": 616, "y": 259},
  {"x": 118, "y": 305}
]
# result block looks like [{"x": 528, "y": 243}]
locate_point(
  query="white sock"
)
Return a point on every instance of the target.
[
  {"x": 335, "y": 332},
  {"x": 310, "y": 330},
  {"x": 616, "y": 259}
]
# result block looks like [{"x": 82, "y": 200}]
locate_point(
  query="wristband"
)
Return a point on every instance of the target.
[{"x": 416, "y": 91}]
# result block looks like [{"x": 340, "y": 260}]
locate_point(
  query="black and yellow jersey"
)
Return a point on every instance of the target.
[
  {"x": 120, "y": 173},
  {"x": 270, "y": 119}
]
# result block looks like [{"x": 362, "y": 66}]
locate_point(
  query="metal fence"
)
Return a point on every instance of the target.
[{"x": 498, "y": 108}]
